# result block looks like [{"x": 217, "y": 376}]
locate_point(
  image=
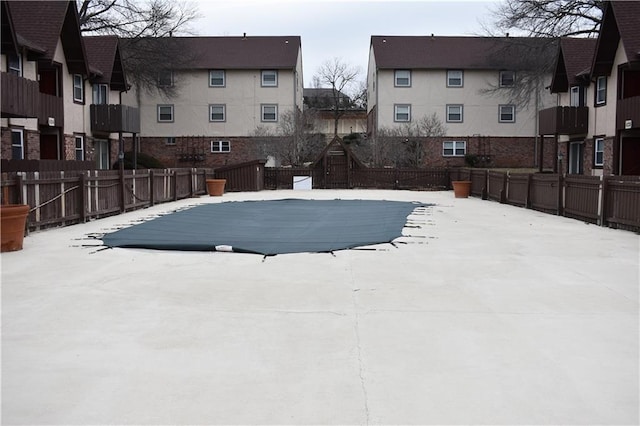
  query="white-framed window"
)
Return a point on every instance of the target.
[
  {"x": 269, "y": 78},
  {"x": 454, "y": 148},
  {"x": 601, "y": 90},
  {"x": 216, "y": 78},
  {"x": 100, "y": 94},
  {"x": 402, "y": 112},
  {"x": 17, "y": 144},
  {"x": 507, "y": 113},
  {"x": 78, "y": 88},
  {"x": 220, "y": 146},
  {"x": 14, "y": 64},
  {"x": 269, "y": 112},
  {"x": 165, "y": 113},
  {"x": 217, "y": 113},
  {"x": 577, "y": 96},
  {"x": 402, "y": 78},
  {"x": 455, "y": 78},
  {"x": 454, "y": 113},
  {"x": 79, "y": 147},
  {"x": 170, "y": 140},
  {"x": 507, "y": 78},
  {"x": 598, "y": 155},
  {"x": 165, "y": 78}
]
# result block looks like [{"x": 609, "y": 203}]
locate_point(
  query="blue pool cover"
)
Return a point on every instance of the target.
[{"x": 270, "y": 227}]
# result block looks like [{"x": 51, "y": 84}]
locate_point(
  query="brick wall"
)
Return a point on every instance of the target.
[
  {"x": 31, "y": 144},
  {"x": 181, "y": 154},
  {"x": 508, "y": 152}
]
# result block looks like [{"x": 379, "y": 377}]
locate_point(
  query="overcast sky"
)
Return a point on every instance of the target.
[{"x": 339, "y": 28}]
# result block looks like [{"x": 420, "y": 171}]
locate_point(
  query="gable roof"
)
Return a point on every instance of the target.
[
  {"x": 41, "y": 23},
  {"x": 8, "y": 35},
  {"x": 436, "y": 52},
  {"x": 246, "y": 52},
  {"x": 573, "y": 64},
  {"x": 103, "y": 55},
  {"x": 619, "y": 24},
  {"x": 337, "y": 144}
]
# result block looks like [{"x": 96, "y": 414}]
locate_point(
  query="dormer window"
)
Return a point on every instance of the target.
[
  {"x": 100, "y": 94},
  {"x": 507, "y": 78},
  {"x": 578, "y": 95},
  {"x": 14, "y": 64},
  {"x": 601, "y": 90},
  {"x": 78, "y": 88}
]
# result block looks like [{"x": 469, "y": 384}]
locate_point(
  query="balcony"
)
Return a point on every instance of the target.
[
  {"x": 563, "y": 120},
  {"x": 20, "y": 96},
  {"x": 114, "y": 119},
  {"x": 51, "y": 111},
  {"x": 628, "y": 112}
]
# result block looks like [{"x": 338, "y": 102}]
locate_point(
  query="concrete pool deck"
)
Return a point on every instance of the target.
[{"x": 488, "y": 314}]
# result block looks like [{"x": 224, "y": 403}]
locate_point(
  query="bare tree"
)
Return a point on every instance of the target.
[
  {"x": 145, "y": 29},
  {"x": 403, "y": 145},
  {"x": 340, "y": 77},
  {"x": 547, "y": 18},
  {"x": 134, "y": 18},
  {"x": 294, "y": 142},
  {"x": 532, "y": 57}
]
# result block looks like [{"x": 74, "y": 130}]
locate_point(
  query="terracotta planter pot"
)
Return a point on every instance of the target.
[
  {"x": 461, "y": 188},
  {"x": 13, "y": 221},
  {"x": 215, "y": 187}
]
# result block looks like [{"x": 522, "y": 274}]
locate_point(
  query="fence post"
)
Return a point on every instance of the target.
[
  {"x": 560, "y": 194},
  {"x": 603, "y": 200},
  {"x": 191, "y": 185},
  {"x": 485, "y": 189},
  {"x": 122, "y": 194},
  {"x": 527, "y": 203},
  {"x": 21, "y": 192},
  {"x": 174, "y": 184},
  {"x": 503, "y": 193},
  {"x": 82, "y": 201},
  {"x": 152, "y": 188}
]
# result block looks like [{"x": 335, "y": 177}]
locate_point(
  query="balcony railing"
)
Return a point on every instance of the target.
[
  {"x": 628, "y": 113},
  {"x": 115, "y": 118},
  {"x": 20, "y": 96},
  {"x": 563, "y": 120},
  {"x": 51, "y": 111}
]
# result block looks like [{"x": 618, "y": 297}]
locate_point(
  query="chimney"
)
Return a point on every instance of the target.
[{"x": 244, "y": 36}]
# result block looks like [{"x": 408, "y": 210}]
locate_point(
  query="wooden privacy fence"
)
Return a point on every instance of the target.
[
  {"x": 61, "y": 198},
  {"x": 612, "y": 201},
  {"x": 379, "y": 178}
]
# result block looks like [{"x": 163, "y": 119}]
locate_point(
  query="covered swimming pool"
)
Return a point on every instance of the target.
[{"x": 270, "y": 227}]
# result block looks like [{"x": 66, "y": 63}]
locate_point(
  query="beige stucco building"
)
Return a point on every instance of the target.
[
  {"x": 232, "y": 89},
  {"x": 468, "y": 83}
]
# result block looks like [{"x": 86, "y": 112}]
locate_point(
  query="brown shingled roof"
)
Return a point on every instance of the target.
[
  {"x": 259, "y": 52},
  {"x": 43, "y": 23},
  {"x": 573, "y": 65},
  {"x": 436, "y": 52},
  {"x": 103, "y": 55},
  {"x": 619, "y": 24},
  {"x": 628, "y": 18}
]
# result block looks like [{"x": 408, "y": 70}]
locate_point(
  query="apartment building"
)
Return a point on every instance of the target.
[
  {"x": 49, "y": 81},
  {"x": 597, "y": 82},
  {"x": 467, "y": 82},
  {"x": 229, "y": 91}
]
